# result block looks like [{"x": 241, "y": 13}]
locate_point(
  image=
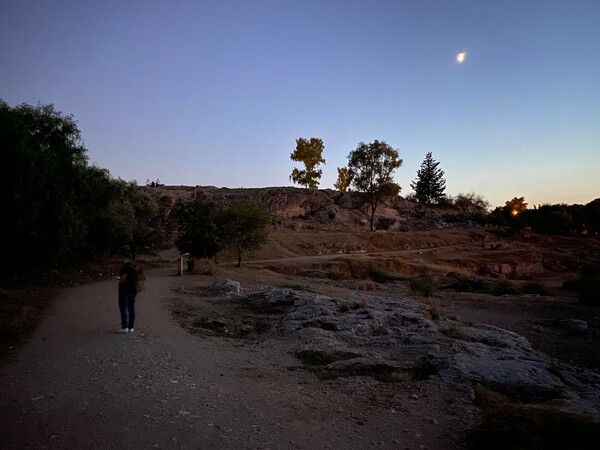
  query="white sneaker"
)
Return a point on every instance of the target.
[
  {"x": 123, "y": 330},
  {"x": 131, "y": 330}
]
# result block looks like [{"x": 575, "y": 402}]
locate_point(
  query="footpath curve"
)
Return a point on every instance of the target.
[{"x": 77, "y": 383}]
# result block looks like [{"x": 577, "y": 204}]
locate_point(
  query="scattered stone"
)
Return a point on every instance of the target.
[
  {"x": 572, "y": 326},
  {"x": 226, "y": 287}
]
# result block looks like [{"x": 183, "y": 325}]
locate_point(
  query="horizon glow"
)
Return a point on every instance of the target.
[{"x": 209, "y": 93}]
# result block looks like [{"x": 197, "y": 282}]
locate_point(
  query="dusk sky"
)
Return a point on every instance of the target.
[{"x": 215, "y": 93}]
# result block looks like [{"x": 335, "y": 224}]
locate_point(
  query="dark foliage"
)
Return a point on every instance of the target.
[
  {"x": 588, "y": 288},
  {"x": 504, "y": 288},
  {"x": 430, "y": 183},
  {"x": 56, "y": 209},
  {"x": 205, "y": 230},
  {"x": 372, "y": 167},
  {"x": 197, "y": 227}
]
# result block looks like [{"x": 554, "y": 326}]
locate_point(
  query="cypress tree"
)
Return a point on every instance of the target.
[{"x": 430, "y": 184}]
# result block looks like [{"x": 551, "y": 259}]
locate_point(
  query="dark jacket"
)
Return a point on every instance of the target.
[{"x": 128, "y": 281}]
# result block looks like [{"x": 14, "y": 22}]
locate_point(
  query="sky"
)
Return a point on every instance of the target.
[{"x": 216, "y": 92}]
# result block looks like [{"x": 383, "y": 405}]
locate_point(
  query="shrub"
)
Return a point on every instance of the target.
[
  {"x": 535, "y": 288},
  {"x": 422, "y": 286},
  {"x": 382, "y": 277},
  {"x": 385, "y": 223},
  {"x": 570, "y": 285},
  {"x": 504, "y": 288},
  {"x": 468, "y": 285},
  {"x": 589, "y": 286}
]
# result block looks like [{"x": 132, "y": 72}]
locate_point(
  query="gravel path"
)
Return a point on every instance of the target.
[{"x": 78, "y": 383}]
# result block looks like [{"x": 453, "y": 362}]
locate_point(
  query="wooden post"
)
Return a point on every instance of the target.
[{"x": 180, "y": 266}]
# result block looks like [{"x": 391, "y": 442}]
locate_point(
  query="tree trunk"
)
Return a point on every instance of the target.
[{"x": 373, "y": 217}]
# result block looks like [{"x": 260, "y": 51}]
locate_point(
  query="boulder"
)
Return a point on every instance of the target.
[{"x": 226, "y": 287}]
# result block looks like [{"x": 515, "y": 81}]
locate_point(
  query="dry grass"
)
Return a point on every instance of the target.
[
  {"x": 508, "y": 425},
  {"x": 434, "y": 308}
]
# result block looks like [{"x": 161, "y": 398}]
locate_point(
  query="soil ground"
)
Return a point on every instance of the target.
[{"x": 177, "y": 383}]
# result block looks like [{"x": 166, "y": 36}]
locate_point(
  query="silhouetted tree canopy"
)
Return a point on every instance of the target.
[
  {"x": 196, "y": 222},
  {"x": 205, "y": 230},
  {"x": 310, "y": 153},
  {"x": 430, "y": 184},
  {"x": 56, "y": 209},
  {"x": 373, "y": 166},
  {"x": 243, "y": 228},
  {"x": 344, "y": 179}
]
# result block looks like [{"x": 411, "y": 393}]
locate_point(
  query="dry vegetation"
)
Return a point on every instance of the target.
[{"x": 477, "y": 274}]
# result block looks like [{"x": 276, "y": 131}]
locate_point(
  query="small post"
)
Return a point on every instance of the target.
[{"x": 180, "y": 266}]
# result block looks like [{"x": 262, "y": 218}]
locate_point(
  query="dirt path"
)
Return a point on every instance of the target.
[{"x": 79, "y": 384}]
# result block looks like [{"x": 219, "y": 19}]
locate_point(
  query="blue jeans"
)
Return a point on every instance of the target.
[{"x": 127, "y": 308}]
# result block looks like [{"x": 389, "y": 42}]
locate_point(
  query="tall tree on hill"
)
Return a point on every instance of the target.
[
  {"x": 344, "y": 179},
  {"x": 372, "y": 166},
  {"x": 310, "y": 153},
  {"x": 430, "y": 184}
]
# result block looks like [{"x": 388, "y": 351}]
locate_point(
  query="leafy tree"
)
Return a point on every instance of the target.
[
  {"x": 512, "y": 212},
  {"x": 430, "y": 184},
  {"x": 514, "y": 207},
  {"x": 146, "y": 233},
  {"x": 310, "y": 153},
  {"x": 56, "y": 210},
  {"x": 43, "y": 162},
  {"x": 197, "y": 229},
  {"x": 471, "y": 203},
  {"x": 592, "y": 214},
  {"x": 243, "y": 228},
  {"x": 373, "y": 166},
  {"x": 344, "y": 179}
]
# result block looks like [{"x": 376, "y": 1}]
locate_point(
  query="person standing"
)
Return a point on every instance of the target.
[{"x": 128, "y": 287}]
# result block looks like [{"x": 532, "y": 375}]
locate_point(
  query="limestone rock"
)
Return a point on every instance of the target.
[{"x": 227, "y": 287}]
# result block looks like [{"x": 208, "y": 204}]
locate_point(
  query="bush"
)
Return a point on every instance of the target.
[
  {"x": 468, "y": 285},
  {"x": 385, "y": 223},
  {"x": 589, "y": 286},
  {"x": 422, "y": 286},
  {"x": 504, "y": 288},
  {"x": 382, "y": 277},
  {"x": 535, "y": 289},
  {"x": 570, "y": 285}
]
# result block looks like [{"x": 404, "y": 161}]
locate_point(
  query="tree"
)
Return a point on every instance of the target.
[
  {"x": 243, "y": 228},
  {"x": 592, "y": 215},
  {"x": 56, "y": 210},
  {"x": 344, "y": 179},
  {"x": 197, "y": 229},
  {"x": 514, "y": 207},
  {"x": 430, "y": 184},
  {"x": 513, "y": 212},
  {"x": 373, "y": 166},
  {"x": 471, "y": 203},
  {"x": 310, "y": 153},
  {"x": 43, "y": 163}
]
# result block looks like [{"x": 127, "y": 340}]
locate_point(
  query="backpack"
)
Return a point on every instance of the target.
[{"x": 139, "y": 279}]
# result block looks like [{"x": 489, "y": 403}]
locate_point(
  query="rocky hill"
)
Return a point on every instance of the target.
[{"x": 325, "y": 206}]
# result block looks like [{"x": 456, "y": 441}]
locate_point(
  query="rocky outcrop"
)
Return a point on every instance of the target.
[
  {"x": 396, "y": 339},
  {"x": 320, "y": 205}
]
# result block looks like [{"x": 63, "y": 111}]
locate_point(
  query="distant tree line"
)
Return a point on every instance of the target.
[
  {"x": 57, "y": 210},
  {"x": 549, "y": 219}
]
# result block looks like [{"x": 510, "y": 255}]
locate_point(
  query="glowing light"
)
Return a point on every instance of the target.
[
  {"x": 460, "y": 58},
  {"x": 514, "y": 212}
]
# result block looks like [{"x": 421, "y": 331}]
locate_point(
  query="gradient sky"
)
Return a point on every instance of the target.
[{"x": 215, "y": 93}]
